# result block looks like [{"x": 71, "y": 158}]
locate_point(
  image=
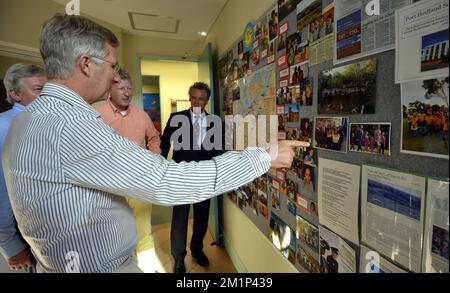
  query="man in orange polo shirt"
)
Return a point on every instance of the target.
[{"x": 134, "y": 124}]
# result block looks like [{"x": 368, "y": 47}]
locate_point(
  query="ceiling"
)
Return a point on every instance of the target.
[{"x": 173, "y": 19}]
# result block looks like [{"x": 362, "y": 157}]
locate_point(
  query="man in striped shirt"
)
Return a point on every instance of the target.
[{"x": 68, "y": 173}]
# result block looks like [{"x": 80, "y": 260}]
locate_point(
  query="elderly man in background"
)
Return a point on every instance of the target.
[{"x": 23, "y": 83}]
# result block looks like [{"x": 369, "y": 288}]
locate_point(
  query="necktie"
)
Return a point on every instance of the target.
[{"x": 196, "y": 135}]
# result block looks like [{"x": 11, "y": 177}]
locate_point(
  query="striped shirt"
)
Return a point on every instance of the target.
[{"x": 68, "y": 173}]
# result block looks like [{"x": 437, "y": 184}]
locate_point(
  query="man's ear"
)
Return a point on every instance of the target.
[
  {"x": 15, "y": 96},
  {"x": 85, "y": 65}
]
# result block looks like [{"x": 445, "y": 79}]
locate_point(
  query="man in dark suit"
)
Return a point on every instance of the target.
[{"x": 190, "y": 132}]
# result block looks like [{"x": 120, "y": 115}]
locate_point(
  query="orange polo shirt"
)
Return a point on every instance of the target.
[{"x": 134, "y": 124}]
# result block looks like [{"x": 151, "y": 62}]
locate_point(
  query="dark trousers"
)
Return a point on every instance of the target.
[{"x": 178, "y": 230}]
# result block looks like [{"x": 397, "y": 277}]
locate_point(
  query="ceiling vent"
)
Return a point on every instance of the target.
[{"x": 153, "y": 23}]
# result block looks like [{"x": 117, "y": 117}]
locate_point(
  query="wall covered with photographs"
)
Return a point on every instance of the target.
[{"x": 378, "y": 161}]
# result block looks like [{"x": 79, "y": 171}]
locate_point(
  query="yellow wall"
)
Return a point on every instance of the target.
[
  {"x": 175, "y": 78},
  {"x": 6, "y": 62},
  {"x": 150, "y": 89},
  {"x": 249, "y": 249}
]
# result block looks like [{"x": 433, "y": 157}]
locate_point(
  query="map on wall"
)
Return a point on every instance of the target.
[
  {"x": 257, "y": 97},
  {"x": 257, "y": 93}
]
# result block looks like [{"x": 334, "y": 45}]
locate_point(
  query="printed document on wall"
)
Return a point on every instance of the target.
[
  {"x": 338, "y": 195},
  {"x": 392, "y": 207},
  {"x": 435, "y": 247},
  {"x": 359, "y": 33},
  {"x": 422, "y": 44}
]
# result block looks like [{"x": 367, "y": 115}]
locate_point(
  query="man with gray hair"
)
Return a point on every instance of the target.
[
  {"x": 68, "y": 173},
  {"x": 23, "y": 83}
]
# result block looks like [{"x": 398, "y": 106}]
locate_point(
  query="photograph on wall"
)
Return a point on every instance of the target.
[
  {"x": 338, "y": 198},
  {"x": 331, "y": 133},
  {"x": 435, "y": 49},
  {"x": 308, "y": 181},
  {"x": 307, "y": 11},
  {"x": 309, "y": 156},
  {"x": 307, "y": 245},
  {"x": 293, "y": 45},
  {"x": 274, "y": 195},
  {"x": 308, "y": 263},
  {"x": 422, "y": 39},
  {"x": 292, "y": 115},
  {"x": 272, "y": 18},
  {"x": 321, "y": 35},
  {"x": 292, "y": 188},
  {"x": 271, "y": 52},
  {"x": 282, "y": 237},
  {"x": 435, "y": 246},
  {"x": 307, "y": 234},
  {"x": 255, "y": 53},
  {"x": 306, "y": 92},
  {"x": 262, "y": 197},
  {"x": 285, "y": 7},
  {"x": 241, "y": 198},
  {"x": 291, "y": 207},
  {"x": 306, "y": 129},
  {"x": 264, "y": 40},
  {"x": 349, "y": 89},
  {"x": 321, "y": 26},
  {"x": 298, "y": 73},
  {"x": 263, "y": 210},
  {"x": 425, "y": 117},
  {"x": 294, "y": 95},
  {"x": 281, "y": 43},
  {"x": 370, "y": 138},
  {"x": 241, "y": 49},
  {"x": 390, "y": 201},
  {"x": 371, "y": 262},
  {"x": 308, "y": 209},
  {"x": 296, "y": 168},
  {"x": 336, "y": 256}
]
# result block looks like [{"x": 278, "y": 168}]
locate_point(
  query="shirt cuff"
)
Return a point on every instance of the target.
[{"x": 259, "y": 159}]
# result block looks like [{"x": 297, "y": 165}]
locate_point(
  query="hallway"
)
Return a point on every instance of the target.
[{"x": 220, "y": 262}]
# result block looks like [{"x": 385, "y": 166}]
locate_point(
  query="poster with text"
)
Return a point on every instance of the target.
[
  {"x": 422, "y": 44},
  {"x": 392, "y": 205},
  {"x": 435, "y": 247},
  {"x": 339, "y": 198},
  {"x": 359, "y": 33}
]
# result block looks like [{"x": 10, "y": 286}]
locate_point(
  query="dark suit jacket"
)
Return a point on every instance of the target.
[{"x": 189, "y": 155}]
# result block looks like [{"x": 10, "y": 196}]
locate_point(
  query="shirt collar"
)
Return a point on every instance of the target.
[
  {"x": 18, "y": 107},
  {"x": 202, "y": 116},
  {"x": 59, "y": 91},
  {"x": 116, "y": 110}
]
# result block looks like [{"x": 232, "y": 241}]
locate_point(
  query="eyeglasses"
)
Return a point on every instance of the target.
[{"x": 115, "y": 66}]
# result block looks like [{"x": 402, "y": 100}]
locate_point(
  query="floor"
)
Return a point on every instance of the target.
[{"x": 219, "y": 260}]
